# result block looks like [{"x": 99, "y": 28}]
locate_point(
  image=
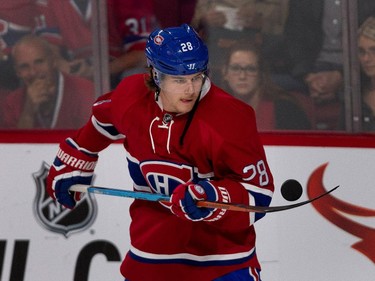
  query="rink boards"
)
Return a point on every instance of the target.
[{"x": 330, "y": 240}]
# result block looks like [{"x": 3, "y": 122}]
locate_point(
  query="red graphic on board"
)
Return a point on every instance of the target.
[{"x": 338, "y": 211}]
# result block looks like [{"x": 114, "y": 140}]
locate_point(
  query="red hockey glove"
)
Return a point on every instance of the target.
[
  {"x": 71, "y": 166},
  {"x": 184, "y": 199}
]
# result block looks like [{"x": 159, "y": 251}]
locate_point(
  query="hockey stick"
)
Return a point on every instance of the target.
[{"x": 163, "y": 198}]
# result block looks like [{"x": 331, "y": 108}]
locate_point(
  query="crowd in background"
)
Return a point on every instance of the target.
[{"x": 283, "y": 57}]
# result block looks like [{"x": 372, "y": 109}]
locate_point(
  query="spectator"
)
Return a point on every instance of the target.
[
  {"x": 273, "y": 15},
  {"x": 129, "y": 24},
  {"x": 221, "y": 23},
  {"x": 48, "y": 98},
  {"x": 16, "y": 20},
  {"x": 268, "y": 17},
  {"x": 366, "y": 55},
  {"x": 246, "y": 77},
  {"x": 313, "y": 33},
  {"x": 67, "y": 26}
]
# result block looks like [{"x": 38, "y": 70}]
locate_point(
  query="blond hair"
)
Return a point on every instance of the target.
[{"x": 368, "y": 28}]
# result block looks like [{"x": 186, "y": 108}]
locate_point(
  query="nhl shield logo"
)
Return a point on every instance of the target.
[{"x": 56, "y": 218}]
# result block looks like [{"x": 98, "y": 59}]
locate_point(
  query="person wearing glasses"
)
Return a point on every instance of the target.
[
  {"x": 185, "y": 138},
  {"x": 246, "y": 77}
]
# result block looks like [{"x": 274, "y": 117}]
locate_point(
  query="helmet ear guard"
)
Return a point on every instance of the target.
[
  {"x": 176, "y": 51},
  {"x": 156, "y": 77}
]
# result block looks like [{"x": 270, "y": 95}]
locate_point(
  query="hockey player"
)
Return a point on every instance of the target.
[{"x": 185, "y": 138}]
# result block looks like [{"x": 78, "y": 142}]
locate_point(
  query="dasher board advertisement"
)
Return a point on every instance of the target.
[{"x": 331, "y": 239}]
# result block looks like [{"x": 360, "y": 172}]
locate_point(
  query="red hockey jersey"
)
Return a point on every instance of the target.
[
  {"x": 63, "y": 23},
  {"x": 221, "y": 146},
  {"x": 129, "y": 25}
]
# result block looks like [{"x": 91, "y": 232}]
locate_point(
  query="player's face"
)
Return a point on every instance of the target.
[
  {"x": 179, "y": 93},
  {"x": 241, "y": 74},
  {"x": 366, "y": 55}
]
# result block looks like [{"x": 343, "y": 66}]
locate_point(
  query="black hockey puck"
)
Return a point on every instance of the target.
[{"x": 291, "y": 190}]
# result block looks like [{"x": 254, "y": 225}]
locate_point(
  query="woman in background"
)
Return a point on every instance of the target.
[
  {"x": 366, "y": 56},
  {"x": 245, "y": 76}
]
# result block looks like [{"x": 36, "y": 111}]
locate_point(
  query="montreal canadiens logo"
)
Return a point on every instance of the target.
[
  {"x": 56, "y": 218},
  {"x": 163, "y": 177},
  {"x": 158, "y": 39}
]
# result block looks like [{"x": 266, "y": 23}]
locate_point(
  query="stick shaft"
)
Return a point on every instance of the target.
[
  {"x": 207, "y": 204},
  {"x": 151, "y": 197},
  {"x": 119, "y": 192}
]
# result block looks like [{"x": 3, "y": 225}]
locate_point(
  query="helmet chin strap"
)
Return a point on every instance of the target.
[{"x": 157, "y": 93}]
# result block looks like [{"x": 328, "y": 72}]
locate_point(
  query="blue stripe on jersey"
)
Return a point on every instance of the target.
[
  {"x": 106, "y": 129},
  {"x": 135, "y": 172},
  {"x": 260, "y": 200},
  {"x": 244, "y": 274},
  {"x": 261, "y": 196}
]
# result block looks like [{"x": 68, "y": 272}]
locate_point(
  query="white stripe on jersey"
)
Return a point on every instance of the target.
[
  {"x": 187, "y": 256},
  {"x": 257, "y": 189},
  {"x": 251, "y": 214},
  {"x": 106, "y": 129}
]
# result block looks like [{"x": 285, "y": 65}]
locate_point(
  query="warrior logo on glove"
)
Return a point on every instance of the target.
[{"x": 72, "y": 165}]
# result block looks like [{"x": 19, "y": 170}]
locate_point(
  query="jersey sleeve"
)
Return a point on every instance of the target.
[
  {"x": 106, "y": 124},
  {"x": 99, "y": 131},
  {"x": 239, "y": 160}
]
